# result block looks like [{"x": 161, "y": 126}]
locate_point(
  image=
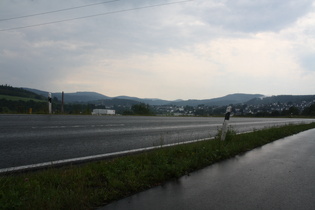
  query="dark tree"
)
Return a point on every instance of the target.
[{"x": 141, "y": 109}]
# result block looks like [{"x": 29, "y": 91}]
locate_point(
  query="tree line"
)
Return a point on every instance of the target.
[
  {"x": 30, "y": 102},
  {"x": 41, "y": 107},
  {"x": 37, "y": 107}
]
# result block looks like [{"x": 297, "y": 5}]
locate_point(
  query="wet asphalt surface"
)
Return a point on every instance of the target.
[
  {"x": 33, "y": 139},
  {"x": 279, "y": 175}
]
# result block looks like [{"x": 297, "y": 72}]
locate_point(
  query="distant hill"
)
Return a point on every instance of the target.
[
  {"x": 236, "y": 98},
  {"x": 150, "y": 101},
  {"x": 78, "y": 97},
  {"x": 38, "y": 92},
  {"x": 281, "y": 99},
  {"x": 115, "y": 101},
  {"x": 96, "y": 98},
  {"x": 93, "y": 97},
  {"x": 222, "y": 101},
  {"x": 19, "y": 92},
  {"x": 15, "y": 100}
]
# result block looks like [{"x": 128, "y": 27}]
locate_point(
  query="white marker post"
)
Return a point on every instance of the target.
[
  {"x": 225, "y": 123},
  {"x": 49, "y": 103}
]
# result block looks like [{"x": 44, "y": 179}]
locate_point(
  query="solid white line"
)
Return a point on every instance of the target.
[
  {"x": 107, "y": 155},
  {"x": 93, "y": 157}
]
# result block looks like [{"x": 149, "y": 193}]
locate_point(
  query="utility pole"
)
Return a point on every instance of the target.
[
  {"x": 225, "y": 123},
  {"x": 49, "y": 103},
  {"x": 62, "y": 103}
]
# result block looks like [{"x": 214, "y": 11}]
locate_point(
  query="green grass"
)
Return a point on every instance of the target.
[
  {"x": 95, "y": 184},
  {"x": 17, "y": 98}
]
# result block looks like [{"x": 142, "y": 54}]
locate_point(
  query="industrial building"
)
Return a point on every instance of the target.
[{"x": 103, "y": 112}]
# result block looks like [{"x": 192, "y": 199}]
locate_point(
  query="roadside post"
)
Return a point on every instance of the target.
[
  {"x": 49, "y": 103},
  {"x": 225, "y": 123}
]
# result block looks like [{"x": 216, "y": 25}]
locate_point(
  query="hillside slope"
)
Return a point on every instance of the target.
[
  {"x": 19, "y": 92},
  {"x": 77, "y": 97},
  {"x": 282, "y": 99},
  {"x": 236, "y": 98}
]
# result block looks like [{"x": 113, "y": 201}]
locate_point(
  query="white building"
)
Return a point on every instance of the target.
[{"x": 103, "y": 112}]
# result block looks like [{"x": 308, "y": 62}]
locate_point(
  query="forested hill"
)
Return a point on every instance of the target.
[
  {"x": 281, "y": 99},
  {"x": 19, "y": 101},
  {"x": 19, "y": 92}
]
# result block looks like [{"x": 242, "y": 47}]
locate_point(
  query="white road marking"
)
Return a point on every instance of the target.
[
  {"x": 76, "y": 126},
  {"x": 89, "y": 158}
]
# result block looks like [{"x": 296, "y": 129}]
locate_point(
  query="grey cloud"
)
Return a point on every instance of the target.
[
  {"x": 40, "y": 56},
  {"x": 255, "y": 16},
  {"x": 121, "y": 33}
]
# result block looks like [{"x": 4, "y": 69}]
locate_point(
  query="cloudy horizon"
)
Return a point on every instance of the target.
[{"x": 167, "y": 49}]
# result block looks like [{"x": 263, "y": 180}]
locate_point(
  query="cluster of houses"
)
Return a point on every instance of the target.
[
  {"x": 203, "y": 110},
  {"x": 239, "y": 109},
  {"x": 272, "y": 108}
]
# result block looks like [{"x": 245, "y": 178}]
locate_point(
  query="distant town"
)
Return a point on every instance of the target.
[
  {"x": 31, "y": 101},
  {"x": 257, "y": 110},
  {"x": 275, "y": 109}
]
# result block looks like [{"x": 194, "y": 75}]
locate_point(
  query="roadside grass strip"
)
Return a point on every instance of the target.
[{"x": 94, "y": 184}]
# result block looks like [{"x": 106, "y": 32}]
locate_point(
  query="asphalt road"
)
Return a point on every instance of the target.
[
  {"x": 279, "y": 175},
  {"x": 33, "y": 139}
]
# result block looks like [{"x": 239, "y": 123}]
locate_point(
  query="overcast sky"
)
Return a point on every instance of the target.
[{"x": 196, "y": 49}]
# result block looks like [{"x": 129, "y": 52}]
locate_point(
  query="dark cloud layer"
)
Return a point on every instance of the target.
[
  {"x": 186, "y": 48},
  {"x": 254, "y": 16}
]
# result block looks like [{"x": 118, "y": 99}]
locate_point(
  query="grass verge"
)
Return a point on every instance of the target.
[{"x": 98, "y": 183}]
